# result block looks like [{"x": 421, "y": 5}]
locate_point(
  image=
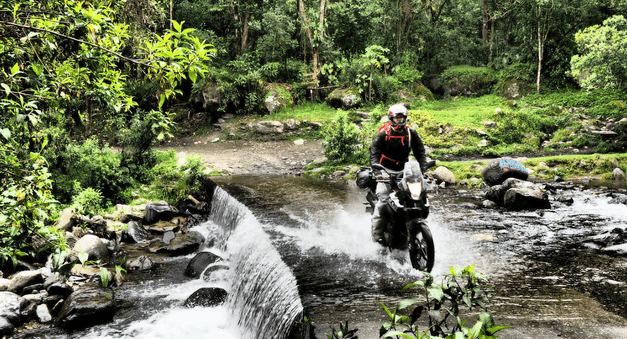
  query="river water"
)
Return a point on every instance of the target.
[{"x": 301, "y": 246}]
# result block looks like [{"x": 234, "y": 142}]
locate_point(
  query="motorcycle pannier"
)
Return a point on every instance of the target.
[{"x": 364, "y": 177}]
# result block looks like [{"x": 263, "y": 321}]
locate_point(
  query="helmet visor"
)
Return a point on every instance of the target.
[{"x": 399, "y": 119}]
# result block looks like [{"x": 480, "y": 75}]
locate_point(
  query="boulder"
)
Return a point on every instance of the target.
[
  {"x": 618, "y": 174},
  {"x": 4, "y": 284},
  {"x": 525, "y": 198},
  {"x": 269, "y": 127},
  {"x": 616, "y": 249},
  {"x": 292, "y": 124},
  {"x": 60, "y": 288},
  {"x": 10, "y": 307},
  {"x": 89, "y": 305},
  {"x": 25, "y": 278},
  {"x": 6, "y": 327},
  {"x": 43, "y": 314},
  {"x": 143, "y": 263},
  {"x": 66, "y": 221},
  {"x": 498, "y": 170},
  {"x": 162, "y": 227},
  {"x": 273, "y": 102},
  {"x": 94, "y": 246},
  {"x": 136, "y": 232},
  {"x": 344, "y": 98},
  {"x": 158, "y": 210},
  {"x": 199, "y": 262},
  {"x": 516, "y": 194},
  {"x": 206, "y": 297},
  {"x": 181, "y": 244},
  {"x": 445, "y": 175}
]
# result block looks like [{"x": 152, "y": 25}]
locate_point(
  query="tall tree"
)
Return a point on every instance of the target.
[{"x": 314, "y": 31}]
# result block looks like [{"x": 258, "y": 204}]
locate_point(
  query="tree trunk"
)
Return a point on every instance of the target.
[
  {"x": 540, "y": 53},
  {"x": 244, "y": 41},
  {"x": 484, "y": 17}
]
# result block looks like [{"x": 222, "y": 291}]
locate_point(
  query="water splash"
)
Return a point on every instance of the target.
[{"x": 263, "y": 298}]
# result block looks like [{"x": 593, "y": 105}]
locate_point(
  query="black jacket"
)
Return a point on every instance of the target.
[{"x": 392, "y": 150}]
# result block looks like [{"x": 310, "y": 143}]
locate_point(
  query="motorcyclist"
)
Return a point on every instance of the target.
[{"x": 391, "y": 148}]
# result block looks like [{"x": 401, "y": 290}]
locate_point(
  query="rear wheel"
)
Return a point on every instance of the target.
[{"x": 421, "y": 248}]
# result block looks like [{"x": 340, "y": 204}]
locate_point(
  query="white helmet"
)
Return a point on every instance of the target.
[{"x": 396, "y": 111}]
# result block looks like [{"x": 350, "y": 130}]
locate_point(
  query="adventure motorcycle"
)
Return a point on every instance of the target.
[{"x": 408, "y": 205}]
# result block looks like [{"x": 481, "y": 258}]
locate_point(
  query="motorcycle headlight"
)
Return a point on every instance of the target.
[{"x": 415, "y": 190}]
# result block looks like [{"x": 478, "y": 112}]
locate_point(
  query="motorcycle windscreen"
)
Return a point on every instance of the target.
[{"x": 412, "y": 179}]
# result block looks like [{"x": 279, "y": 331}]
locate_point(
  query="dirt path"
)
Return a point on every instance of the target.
[{"x": 241, "y": 157}]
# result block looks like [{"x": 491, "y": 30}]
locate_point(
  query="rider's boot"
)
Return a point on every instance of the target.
[{"x": 378, "y": 223}]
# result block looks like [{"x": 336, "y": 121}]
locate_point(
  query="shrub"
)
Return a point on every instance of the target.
[
  {"x": 342, "y": 141},
  {"x": 87, "y": 201},
  {"x": 92, "y": 167}
]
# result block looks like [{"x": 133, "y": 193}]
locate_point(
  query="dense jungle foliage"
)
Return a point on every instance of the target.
[{"x": 77, "y": 76}]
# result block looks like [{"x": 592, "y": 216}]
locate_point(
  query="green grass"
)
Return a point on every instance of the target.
[{"x": 463, "y": 112}]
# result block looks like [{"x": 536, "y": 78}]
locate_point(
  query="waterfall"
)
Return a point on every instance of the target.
[{"x": 263, "y": 297}]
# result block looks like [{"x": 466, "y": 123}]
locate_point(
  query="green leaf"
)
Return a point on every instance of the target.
[
  {"x": 104, "y": 277},
  {"x": 408, "y": 302},
  {"x": 83, "y": 257},
  {"x": 467, "y": 300},
  {"x": 397, "y": 334},
  {"x": 475, "y": 330},
  {"x": 6, "y": 133},
  {"x": 495, "y": 329},
  {"x": 6, "y": 87},
  {"x": 15, "y": 69},
  {"x": 436, "y": 292},
  {"x": 65, "y": 269}
]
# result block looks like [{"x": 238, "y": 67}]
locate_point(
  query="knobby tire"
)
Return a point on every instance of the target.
[{"x": 421, "y": 248}]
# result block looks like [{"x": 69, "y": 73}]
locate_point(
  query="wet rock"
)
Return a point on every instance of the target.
[
  {"x": 498, "y": 170},
  {"x": 143, "y": 263},
  {"x": 158, "y": 210},
  {"x": 94, "y": 246},
  {"x": 10, "y": 307},
  {"x": 136, "y": 232},
  {"x": 618, "y": 174},
  {"x": 4, "y": 284},
  {"x": 60, "y": 288},
  {"x": 616, "y": 250},
  {"x": 167, "y": 237},
  {"x": 445, "y": 175},
  {"x": 215, "y": 272},
  {"x": 206, "y": 297},
  {"x": 6, "y": 327},
  {"x": 66, "y": 221},
  {"x": 489, "y": 204},
  {"x": 523, "y": 198},
  {"x": 33, "y": 289},
  {"x": 621, "y": 199},
  {"x": 181, "y": 244},
  {"x": 43, "y": 314},
  {"x": 199, "y": 262},
  {"x": 25, "y": 278},
  {"x": 516, "y": 194},
  {"x": 89, "y": 305}
]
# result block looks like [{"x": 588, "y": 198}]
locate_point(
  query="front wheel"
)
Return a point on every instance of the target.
[{"x": 421, "y": 248}]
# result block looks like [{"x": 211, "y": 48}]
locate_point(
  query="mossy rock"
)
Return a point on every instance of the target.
[
  {"x": 467, "y": 80},
  {"x": 421, "y": 91},
  {"x": 344, "y": 98},
  {"x": 513, "y": 88},
  {"x": 277, "y": 96}
]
